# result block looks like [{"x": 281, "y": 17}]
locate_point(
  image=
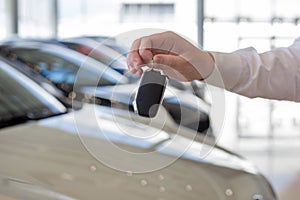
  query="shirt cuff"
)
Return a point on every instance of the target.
[{"x": 228, "y": 70}]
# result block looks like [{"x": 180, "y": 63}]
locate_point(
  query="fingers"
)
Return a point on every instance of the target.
[
  {"x": 143, "y": 50},
  {"x": 139, "y": 55},
  {"x": 133, "y": 59},
  {"x": 165, "y": 49},
  {"x": 177, "y": 57},
  {"x": 176, "y": 67},
  {"x": 171, "y": 65},
  {"x": 169, "y": 60}
]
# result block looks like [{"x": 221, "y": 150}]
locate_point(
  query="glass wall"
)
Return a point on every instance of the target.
[
  {"x": 94, "y": 17},
  {"x": 2, "y": 19},
  {"x": 264, "y": 25},
  {"x": 36, "y": 18},
  {"x": 259, "y": 23},
  {"x": 88, "y": 17}
]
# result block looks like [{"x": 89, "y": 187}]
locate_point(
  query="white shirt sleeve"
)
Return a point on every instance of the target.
[{"x": 274, "y": 74}]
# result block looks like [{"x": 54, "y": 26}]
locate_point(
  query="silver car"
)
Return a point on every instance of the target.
[{"x": 50, "y": 152}]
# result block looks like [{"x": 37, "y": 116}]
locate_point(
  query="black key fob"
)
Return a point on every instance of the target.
[{"x": 150, "y": 93}]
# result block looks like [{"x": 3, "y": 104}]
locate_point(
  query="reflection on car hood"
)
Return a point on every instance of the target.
[
  {"x": 112, "y": 127},
  {"x": 50, "y": 156},
  {"x": 105, "y": 128}
]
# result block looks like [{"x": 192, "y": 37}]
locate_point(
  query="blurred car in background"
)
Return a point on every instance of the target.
[
  {"x": 108, "y": 51},
  {"x": 43, "y": 154},
  {"x": 60, "y": 66},
  {"x": 184, "y": 113},
  {"x": 110, "y": 42},
  {"x": 99, "y": 51},
  {"x": 185, "y": 108}
]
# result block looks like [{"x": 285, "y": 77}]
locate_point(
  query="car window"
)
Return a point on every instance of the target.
[
  {"x": 21, "y": 99},
  {"x": 100, "y": 52},
  {"x": 59, "y": 70}
]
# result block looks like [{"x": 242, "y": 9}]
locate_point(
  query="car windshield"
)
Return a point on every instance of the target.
[
  {"x": 100, "y": 52},
  {"x": 22, "y": 100},
  {"x": 63, "y": 72},
  {"x": 112, "y": 43}
]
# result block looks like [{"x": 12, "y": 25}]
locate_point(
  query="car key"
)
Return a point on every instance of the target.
[{"x": 150, "y": 93}]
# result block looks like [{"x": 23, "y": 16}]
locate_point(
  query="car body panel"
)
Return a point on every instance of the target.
[{"x": 49, "y": 157}]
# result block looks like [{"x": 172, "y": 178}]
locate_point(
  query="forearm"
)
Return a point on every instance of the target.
[{"x": 274, "y": 74}]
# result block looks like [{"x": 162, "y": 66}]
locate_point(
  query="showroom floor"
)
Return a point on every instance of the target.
[{"x": 278, "y": 160}]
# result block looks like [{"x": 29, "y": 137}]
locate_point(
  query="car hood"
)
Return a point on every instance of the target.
[{"x": 54, "y": 159}]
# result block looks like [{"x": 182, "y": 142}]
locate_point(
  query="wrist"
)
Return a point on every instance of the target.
[{"x": 204, "y": 63}]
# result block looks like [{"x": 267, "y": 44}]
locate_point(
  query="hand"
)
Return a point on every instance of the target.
[{"x": 177, "y": 57}]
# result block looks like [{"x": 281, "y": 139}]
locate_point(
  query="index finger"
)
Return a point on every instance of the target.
[{"x": 134, "y": 60}]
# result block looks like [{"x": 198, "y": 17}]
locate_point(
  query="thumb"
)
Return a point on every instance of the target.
[
  {"x": 172, "y": 65},
  {"x": 176, "y": 67},
  {"x": 172, "y": 61}
]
